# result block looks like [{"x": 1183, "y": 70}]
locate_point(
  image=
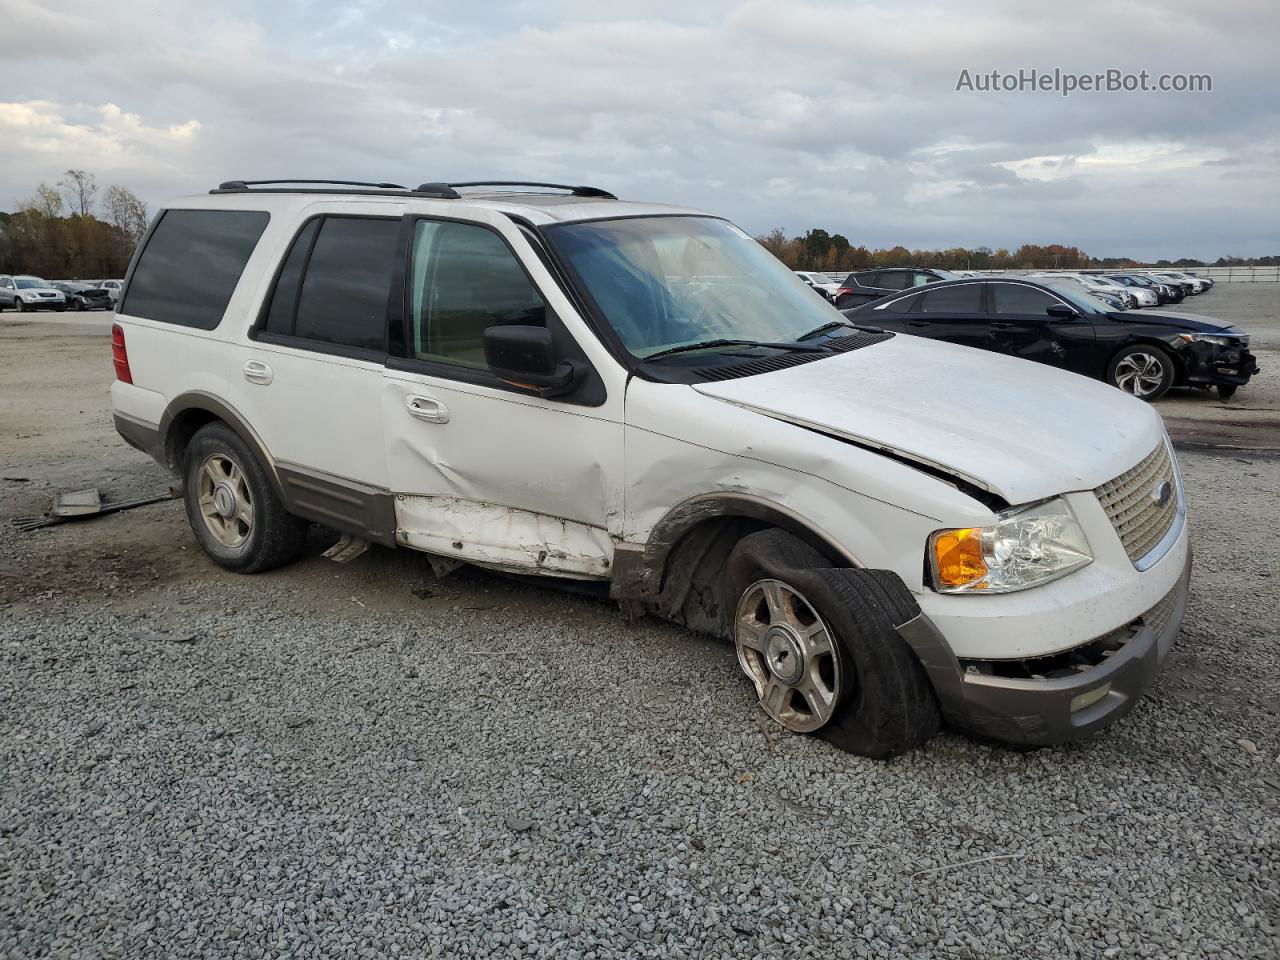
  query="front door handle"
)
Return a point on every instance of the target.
[
  {"x": 255, "y": 371},
  {"x": 427, "y": 408}
]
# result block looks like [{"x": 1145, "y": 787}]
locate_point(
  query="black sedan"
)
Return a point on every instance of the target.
[
  {"x": 84, "y": 296},
  {"x": 867, "y": 285},
  {"x": 1141, "y": 353}
]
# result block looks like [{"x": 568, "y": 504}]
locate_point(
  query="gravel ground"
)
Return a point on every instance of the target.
[{"x": 366, "y": 761}]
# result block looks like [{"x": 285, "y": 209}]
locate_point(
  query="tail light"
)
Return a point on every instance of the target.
[
  {"x": 843, "y": 290},
  {"x": 119, "y": 355}
]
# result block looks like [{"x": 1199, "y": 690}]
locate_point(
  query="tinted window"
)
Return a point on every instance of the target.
[
  {"x": 343, "y": 299},
  {"x": 894, "y": 279},
  {"x": 966, "y": 298},
  {"x": 284, "y": 299},
  {"x": 191, "y": 265},
  {"x": 865, "y": 279},
  {"x": 901, "y": 305},
  {"x": 1016, "y": 298},
  {"x": 465, "y": 279}
]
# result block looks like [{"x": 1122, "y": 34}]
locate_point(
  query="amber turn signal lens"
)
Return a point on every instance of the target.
[{"x": 957, "y": 557}]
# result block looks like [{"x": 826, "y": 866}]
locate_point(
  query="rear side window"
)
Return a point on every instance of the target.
[
  {"x": 334, "y": 283},
  {"x": 894, "y": 279},
  {"x": 901, "y": 305},
  {"x": 966, "y": 298},
  {"x": 191, "y": 265}
]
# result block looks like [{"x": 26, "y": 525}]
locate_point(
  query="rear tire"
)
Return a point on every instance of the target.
[
  {"x": 880, "y": 700},
  {"x": 1143, "y": 370},
  {"x": 233, "y": 507}
]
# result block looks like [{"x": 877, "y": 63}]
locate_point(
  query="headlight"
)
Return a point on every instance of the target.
[
  {"x": 1025, "y": 547},
  {"x": 1222, "y": 341}
]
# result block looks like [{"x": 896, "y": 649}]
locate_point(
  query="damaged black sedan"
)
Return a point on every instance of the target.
[{"x": 1144, "y": 354}]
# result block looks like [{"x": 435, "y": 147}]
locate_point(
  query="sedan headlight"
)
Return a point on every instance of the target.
[
  {"x": 1227, "y": 340},
  {"x": 1025, "y": 547}
]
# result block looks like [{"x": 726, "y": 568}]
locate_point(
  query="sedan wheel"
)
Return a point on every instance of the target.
[
  {"x": 1143, "y": 372},
  {"x": 789, "y": 654}
]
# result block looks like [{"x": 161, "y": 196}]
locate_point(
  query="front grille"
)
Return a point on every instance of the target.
[{"x": 1141, "y": 521}]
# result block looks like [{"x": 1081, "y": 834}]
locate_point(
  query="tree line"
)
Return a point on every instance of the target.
[
  {"x": 68, "y": 231},
  {"x": 826, "y": 252}
]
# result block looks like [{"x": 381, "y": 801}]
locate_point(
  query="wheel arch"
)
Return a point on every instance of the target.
[
  {"x": 640, "y": 570},
  {"x": 188, "y": 412},
  {"x": 1150, "y": 340}
]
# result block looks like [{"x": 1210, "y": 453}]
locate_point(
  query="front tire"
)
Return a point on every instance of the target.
[
  {"x": 1227, "y": 390},
  {"x": 820, "y": 646},
  {"x": 20, "y": 305},
  {"x": 1143, "y": 370},
  {"x": 234, "y": 510}
]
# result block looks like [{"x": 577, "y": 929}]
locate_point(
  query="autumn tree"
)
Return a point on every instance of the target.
[
  {"x": 126, "y": 212},
  {"x": 81, "y": 189}
]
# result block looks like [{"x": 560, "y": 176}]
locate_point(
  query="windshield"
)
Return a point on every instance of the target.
[
  {"x": 666, "y": 282},
  {"x": 1078, "y": 298},
  {"x": 31, "y": 283}
]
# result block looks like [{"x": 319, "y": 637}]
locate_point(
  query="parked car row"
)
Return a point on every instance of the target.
[
  {"x": 1052, "y": 320},
  {"x": 23, "y": 292}
]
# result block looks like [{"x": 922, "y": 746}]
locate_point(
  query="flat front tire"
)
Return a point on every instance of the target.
[
  {"x": 234, "y": 510},
  {"x": 820, "y": 646}
]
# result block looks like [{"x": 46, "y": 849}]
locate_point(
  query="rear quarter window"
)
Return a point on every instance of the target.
[{"x": 191, "y": 264}]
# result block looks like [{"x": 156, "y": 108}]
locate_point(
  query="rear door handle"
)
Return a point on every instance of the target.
[
  {"x": 427, "y": 408},
  {"x": 255, "y": 371}
]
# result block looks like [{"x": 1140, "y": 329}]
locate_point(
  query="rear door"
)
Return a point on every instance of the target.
[
  {"x": 955, "y": 314},
  {"x": 1022, "y": 327},
  {"x": 310, "y": 377}
]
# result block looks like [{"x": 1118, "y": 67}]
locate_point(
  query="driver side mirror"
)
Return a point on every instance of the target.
[
  {"x": 1060, "y": 311},
  {"x": 526, "y": 357}
]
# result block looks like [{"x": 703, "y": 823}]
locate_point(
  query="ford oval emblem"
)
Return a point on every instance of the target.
[{"x": 1162, "y": 493}]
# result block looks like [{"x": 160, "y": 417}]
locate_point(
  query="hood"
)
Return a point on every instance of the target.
[
  {"x": 1189, "y": 322},
  {"x": 1020, "y": 429}
]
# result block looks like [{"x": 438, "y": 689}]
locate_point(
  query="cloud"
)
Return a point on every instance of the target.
[{"x": 805, "y": 114}]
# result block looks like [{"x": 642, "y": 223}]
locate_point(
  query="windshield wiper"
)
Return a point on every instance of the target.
[
  {"x": 830, "y": 325},
  {"x": 712, "y": 344}
]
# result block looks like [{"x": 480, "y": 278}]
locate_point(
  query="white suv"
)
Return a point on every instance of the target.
[{"x": 892, "y": 530}]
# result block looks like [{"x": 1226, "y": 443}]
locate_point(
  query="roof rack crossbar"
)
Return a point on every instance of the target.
[{"x": 577, "y": 191}]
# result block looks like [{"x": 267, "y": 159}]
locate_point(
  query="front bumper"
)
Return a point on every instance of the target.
[
  {"x": 1213, "y": 365},
  {"x": 1053, "y": 709}
]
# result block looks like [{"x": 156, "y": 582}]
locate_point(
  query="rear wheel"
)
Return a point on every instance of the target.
[
  {"x": 820, "y": 646},
  {"x": 1144, "y": 371},
  {"x": 233, "y": 507}
]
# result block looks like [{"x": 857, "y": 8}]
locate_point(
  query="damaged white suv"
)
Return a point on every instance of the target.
[{"x": 895, "y": 532}]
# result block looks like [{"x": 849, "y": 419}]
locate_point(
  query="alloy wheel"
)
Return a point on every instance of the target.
[
  {"x": 790, "y": 655},
  {"x": 225, "y": 502},
  {"x": 1140, "y": 374}
]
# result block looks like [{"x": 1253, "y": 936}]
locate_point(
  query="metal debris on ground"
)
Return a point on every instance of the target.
[{"x": 83, "y": 504}]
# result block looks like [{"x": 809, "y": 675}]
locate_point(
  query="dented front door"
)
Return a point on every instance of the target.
[{"x": 481, "y": 471}]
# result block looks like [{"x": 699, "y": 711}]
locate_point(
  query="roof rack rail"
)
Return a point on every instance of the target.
[
  {"x": 577, "y": 191},
  {"x": 439, "y": 191}
]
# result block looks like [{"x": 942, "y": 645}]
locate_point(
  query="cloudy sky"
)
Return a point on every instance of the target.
[{"x": 844, "y": 116}]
